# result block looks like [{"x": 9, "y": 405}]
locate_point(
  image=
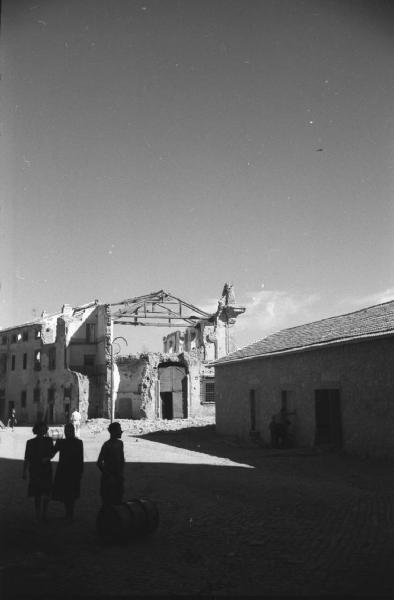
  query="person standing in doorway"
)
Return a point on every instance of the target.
[
  {"x": 67, "y": 482},
  {"x": 76, "y": 421},
  {"x": 38, "y": 454},
  {"x": 111, "y": 464}
]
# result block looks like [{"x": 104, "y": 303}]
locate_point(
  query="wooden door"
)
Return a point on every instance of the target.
[{"x": 328, "y": 417}]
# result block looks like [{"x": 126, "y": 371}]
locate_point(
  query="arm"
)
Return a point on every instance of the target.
[
  {"x": 26, "y": 461},
  {"x": 81, "y": 456},
  {"x": 100, "y": 460}
]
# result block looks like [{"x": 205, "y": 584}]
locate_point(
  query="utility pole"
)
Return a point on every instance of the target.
[{"x": 112, "y": 373}]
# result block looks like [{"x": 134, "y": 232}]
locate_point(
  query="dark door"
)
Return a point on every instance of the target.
[
  {"x": 328, "y": 417},
  {"x": 173, "y": 391},
  {"x": 167, "y": 411}
]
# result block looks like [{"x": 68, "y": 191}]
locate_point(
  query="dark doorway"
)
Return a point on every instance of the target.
[
  {"x": 167, "y": 411},
  {"x": 173, "y": 391},
  {"x": 328, "y": 417}
]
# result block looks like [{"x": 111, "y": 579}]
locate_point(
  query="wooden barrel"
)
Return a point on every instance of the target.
[{"x": 123, "y": 522}]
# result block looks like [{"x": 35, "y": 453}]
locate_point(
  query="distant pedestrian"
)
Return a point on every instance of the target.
[
  {"x": 12, "y": 419},
  {"x": 38, "y": 454},
  {"x": 67, "y": 482},
  {"x": 76, "y": 421},
  {"x": 111, "y": 464}
]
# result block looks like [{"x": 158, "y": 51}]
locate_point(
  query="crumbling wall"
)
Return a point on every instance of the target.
[{"x": 82, "y": 386}]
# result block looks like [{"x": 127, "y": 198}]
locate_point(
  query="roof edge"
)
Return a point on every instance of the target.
[{"x": 337, "y": 342}]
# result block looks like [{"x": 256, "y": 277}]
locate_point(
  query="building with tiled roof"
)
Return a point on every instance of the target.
[
  {"x": 373, "y": 321},
  {"x": 334, "y": 377}
]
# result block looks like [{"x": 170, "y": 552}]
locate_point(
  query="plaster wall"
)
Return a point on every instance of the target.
[{"x": 363, "y": 372}]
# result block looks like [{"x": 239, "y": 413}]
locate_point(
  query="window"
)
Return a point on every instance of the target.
[
  {"x": 25, "y": 360},
  {"x": 14, "y": 338},
  {"x": 207, "y": 390},
  {"x": 89, "y": 360},
  {"x": 36, "y": 394},
  {"x": 52, "y": 358},
  {"x": 25, "y": 336},
  {"x": 23, "y": 399},
  {"x": 37, "y": 334},
  {"x": 3, "y": 363},
  {"x": 37, "y": 360},
  {"x": 13, "y": 359},
  {"x": 4, "y": 340},
  {"x": 51, "y": 395},
  {"x": 90, "y": 333}
]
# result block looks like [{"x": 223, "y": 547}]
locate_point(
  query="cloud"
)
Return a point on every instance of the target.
[{"x": 271, "y": 310}]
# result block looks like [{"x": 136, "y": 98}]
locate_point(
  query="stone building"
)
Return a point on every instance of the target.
[
  {"x": 56, "y": 363},
  {"x": 179, "y": 382},
  {"x": 334, "y": 378},
  {"x": 66, "y": 360}
]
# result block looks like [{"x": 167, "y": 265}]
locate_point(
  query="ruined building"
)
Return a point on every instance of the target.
[{"x": 66, "y": 360}]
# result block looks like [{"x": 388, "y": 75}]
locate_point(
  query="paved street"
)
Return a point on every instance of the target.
[{"x": 233, "y": 521}]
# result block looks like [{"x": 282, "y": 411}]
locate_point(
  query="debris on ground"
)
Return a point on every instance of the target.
[{"x": 141, "y": 427}]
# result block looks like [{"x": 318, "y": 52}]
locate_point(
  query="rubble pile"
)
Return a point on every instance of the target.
[{"x": 145, "y": 426}]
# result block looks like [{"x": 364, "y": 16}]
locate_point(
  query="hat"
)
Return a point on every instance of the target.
[
  {"x": 40, "y": 425},
  {"x": 115, "y": 427}
]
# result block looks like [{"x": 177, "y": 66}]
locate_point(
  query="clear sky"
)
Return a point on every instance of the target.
[{"x": 179, "y": 144}]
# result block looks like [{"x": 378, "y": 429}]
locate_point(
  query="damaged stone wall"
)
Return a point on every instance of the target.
[{"x": 137, "y": 393}]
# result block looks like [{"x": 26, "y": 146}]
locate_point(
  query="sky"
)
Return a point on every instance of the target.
[{"x": 180, "y": 144}]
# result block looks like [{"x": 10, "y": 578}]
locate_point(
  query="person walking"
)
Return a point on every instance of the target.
[
  {"x": 76, "y": 421},
  {"x": 67, "y": 482},
  {"x": 12, "y": 419},
  {"x": 111, "y": 464},
  {"x": 37, "y": 462}
]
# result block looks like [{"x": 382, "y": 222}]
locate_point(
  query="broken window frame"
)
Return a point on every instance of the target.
[{"x": 37, "y": 360}]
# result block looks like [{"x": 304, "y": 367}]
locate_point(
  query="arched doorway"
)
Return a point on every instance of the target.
[{"x": 173, "y": 391}]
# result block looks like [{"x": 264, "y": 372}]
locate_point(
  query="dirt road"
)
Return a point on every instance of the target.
[{"x": 234, "y": 520}]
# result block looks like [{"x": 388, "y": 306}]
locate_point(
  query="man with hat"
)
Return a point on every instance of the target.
[{"x": 111, "y": 464}]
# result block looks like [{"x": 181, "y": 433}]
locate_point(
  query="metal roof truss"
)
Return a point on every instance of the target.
[{"x": 158, "y": 309}]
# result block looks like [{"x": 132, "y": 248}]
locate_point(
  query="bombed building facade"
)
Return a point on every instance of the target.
[{"x": 66, "y": 360}]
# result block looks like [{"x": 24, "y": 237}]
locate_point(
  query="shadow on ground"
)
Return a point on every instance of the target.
[{"x": 289, "y": 527}]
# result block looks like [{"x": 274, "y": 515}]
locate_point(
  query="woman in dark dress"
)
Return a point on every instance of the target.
[
  {"x": 67, "y": 483},
  {"x": 38, "y": 454}
]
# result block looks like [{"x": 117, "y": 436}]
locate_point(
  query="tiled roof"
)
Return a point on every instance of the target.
[{"x": 364, "y": 323}]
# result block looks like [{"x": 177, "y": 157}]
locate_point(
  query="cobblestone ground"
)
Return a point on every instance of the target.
[{"x": 234, "y": 521}]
